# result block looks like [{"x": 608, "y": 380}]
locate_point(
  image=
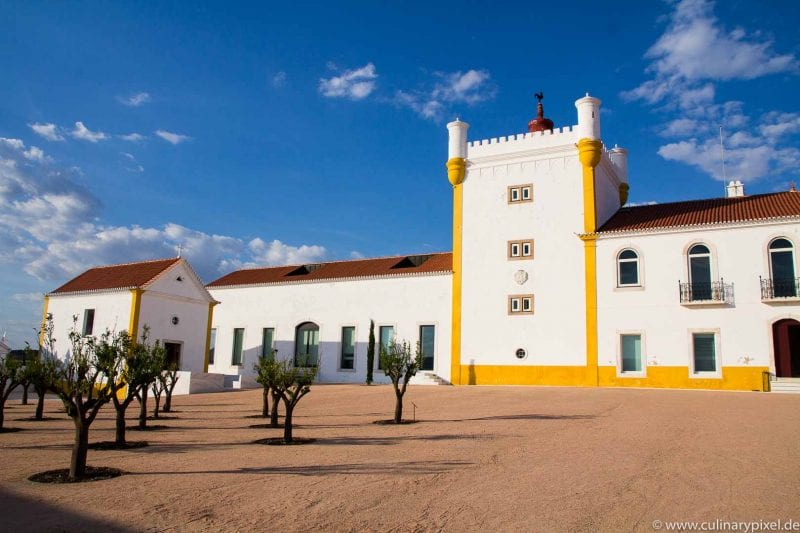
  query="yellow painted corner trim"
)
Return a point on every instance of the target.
[
  {"x": 44, "y": 319},
  {"x": 455, "y": 335},
  {"x": 136, "y": 307},
  {"x": 208, "y": 335},
  {"x": 456, "y": 170}
]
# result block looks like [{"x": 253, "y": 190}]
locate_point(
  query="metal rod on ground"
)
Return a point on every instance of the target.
[{"x": 415, "y": 411}]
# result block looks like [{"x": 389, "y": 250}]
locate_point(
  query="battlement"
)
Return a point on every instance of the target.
[{"x": 523, "y": 141}]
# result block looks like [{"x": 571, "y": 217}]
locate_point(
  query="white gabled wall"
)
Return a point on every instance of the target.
[
  {"x": 739, "y": 256},
  {"x": 112, "y": 312},
  {"x": 405, "y": 302}
]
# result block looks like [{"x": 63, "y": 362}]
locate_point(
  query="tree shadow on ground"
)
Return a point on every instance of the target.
[
  {"x": 531, "y": 416},
  {"x": 399, "y": 468},
  {"x": 19, "y": 511}
]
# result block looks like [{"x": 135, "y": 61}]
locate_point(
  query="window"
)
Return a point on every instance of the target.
[
  {"x": 385, "y": 336},
  {"x": 212, "y": 341},
  {"x": 520, "y": 304},
  {"x": 520, "y": 249},
  {"x": 427, "y": 338},
  {"x": 520, "y": 193},
  {"x": 348, "y": 351},
  {"x": 88, "y": 321},
  {"x": 781, "y": 264},
  {"x": 627, "y": 269},
  {"x": 267, "y": 342},
  {"x": 238, "y": 343},
  {"x": 306, "y": 342},
  {"x": 705, "y": 358},
  {"x": 700, "y": 272},
  {"x": 631, "y": 353}
]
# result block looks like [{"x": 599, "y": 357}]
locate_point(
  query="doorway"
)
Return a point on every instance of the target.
[
  {"x": 173, "y": 350},
  {"x": 786, "y": 343}
]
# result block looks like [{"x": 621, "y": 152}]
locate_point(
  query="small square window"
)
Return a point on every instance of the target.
[
  {"x": 515, "y": 194},
  {"x": 526, "y": 193},
  {"x": 526, "y": 249},
  {"x": 526, "y": 305},
  {"x": 520, "y": 304},
  {"x": 514, "y": 305},
  {"x": 514, "y": 249}
]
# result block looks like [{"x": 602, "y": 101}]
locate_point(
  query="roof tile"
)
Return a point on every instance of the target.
[{"x": 128, "y": 275}]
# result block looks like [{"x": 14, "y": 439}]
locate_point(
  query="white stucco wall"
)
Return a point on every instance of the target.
[
  {"x": 406, "y": 303},
  {"x": 112, "y": 312},
  {"x": 554, "y": 334},
  {"x": 739, "y": 256}
]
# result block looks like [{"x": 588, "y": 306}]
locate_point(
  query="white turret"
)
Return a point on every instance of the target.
[
  {"x": 588, "y": 117},
  {"x": 457, "y": 146},
  {"x": 619, "y": 157}
]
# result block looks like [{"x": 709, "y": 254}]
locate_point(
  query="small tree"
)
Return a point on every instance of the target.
[
  {"x": 9, "y": 370},
  {"x": 291, "y": 384},
  {"x": 158, "y": 388},
  {"x": 370, "y": 351},
  {"x": 84, "y": 387},
  {"x": 170, "y": 380},
  {"x": 267, "y": 369},
  {"x": 400, "y": 366},
  {"x": 41, "y": 371},
  {"x": 152, "y": 359}
]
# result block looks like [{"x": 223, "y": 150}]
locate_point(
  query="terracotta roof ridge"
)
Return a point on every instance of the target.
[
  {"x": 711, "y": 199},
  {"x": 339, "y": 261},
  {"x": 131, "y": 263}
]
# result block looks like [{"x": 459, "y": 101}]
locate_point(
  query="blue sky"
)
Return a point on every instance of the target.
[{"x": 255, "y": 133}]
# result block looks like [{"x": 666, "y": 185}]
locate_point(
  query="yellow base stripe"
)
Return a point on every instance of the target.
[{"x": 675, "y": 377}]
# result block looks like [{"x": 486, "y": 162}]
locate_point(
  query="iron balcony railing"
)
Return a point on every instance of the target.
[
  {"x": 710, "y": 292},
  {"x": 772, "y": 289}
]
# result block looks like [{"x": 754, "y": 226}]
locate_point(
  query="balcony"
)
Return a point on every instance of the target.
[
  {"x": 706, "y": 294},
  {"x": 780, "y": 289}
]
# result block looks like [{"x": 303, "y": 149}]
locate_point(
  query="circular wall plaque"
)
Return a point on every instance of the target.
[{"x": 520, "y": 276}]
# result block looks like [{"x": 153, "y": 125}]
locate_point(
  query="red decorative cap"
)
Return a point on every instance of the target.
[{"x": 540, "y": 123}]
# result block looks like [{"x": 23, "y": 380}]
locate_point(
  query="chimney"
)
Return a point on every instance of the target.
[{"x": 734, "y": 189}]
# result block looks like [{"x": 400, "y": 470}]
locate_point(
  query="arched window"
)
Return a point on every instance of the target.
[
  {"x": 700, "y": 272},
  {"x": 627, "y": 269},
  {"x": 781, "y": 264},
  {"x": 306, "y": 343}
]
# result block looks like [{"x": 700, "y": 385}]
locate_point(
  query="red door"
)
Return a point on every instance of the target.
[{"x": 786, "y": 341}]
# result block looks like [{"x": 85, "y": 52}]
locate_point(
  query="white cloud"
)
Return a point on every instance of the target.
[
  {"x": 133, "y": 164},
  {"x": 85, "y": 134},
  {"x": 135, "y": 100},
  {"x": 686, "y": 62},
  {"x": 278, "y": 253},
  {"x": 133, "y": 137},
  {"x": 279, "y": 79},
  {"x": 470, "y": 88},
  {"x": 355, "y": 254},
  {"x": 637, "y": 204},
  {"x": 355, "y": 84},
  {"x": 27, "y": 297},
  {"x": 173, "y": 138},
  {"x": 48, "y": 131},
  {"x": 32, "y": 154}
]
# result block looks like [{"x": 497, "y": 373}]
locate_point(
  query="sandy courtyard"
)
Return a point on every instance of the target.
[{"x": 483, "y": 458}]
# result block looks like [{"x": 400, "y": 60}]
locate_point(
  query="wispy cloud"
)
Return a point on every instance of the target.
[
  {"x": 135, "y": 100},
  {"x": 449, "y": 90},
  {"x": 85, "y": 134},
  {"x": 133, "y": 137},
  {"x": 48, "y": 131},
  {"x": 279, "y": 79},
  {"x": 32, "y": 154},
  {"x": 355, "y": 84},
  {"x": 173, "y": 138},
  {"x": 132, "y": 164},
  {"x": 692, "y": 56}
]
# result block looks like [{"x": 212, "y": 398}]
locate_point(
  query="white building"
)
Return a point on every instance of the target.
[
  {"x": 551, "y": 281},
  {"x": 164, "y": 295}
]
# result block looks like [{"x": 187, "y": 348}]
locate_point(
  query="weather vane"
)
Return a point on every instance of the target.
[{"x": 539, "y": 96}]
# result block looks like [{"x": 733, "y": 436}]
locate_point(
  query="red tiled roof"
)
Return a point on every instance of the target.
[
  {"x": 383, "y": 266},
  {"x": 702, "y": 212},
  {"x": 128, "y": 275}
]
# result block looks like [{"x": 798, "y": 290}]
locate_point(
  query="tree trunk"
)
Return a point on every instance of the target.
[
  {"x": 143, "y": 409},
  {"x": 119, "y": 436},
  {"x": 25, "y": 395},
  {"x": 157, "y": 399},
  {"x": 287, "y": 423},
  {"x": 40, "y": 406},
  {"x": 273, "y": 419},
  {"x": 265, "y": 403},
  {"x": 168, "y": 400},
  {"x": 77, "y": 467},
  {"x": 398, "y": 408},
  {"x": 2, "y": 411}
]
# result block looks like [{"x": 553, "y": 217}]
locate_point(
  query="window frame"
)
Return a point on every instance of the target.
[
  {"x": 380, "y": 342},
  {"x": 212, "y": 345},
  {"x": 233, "y": 348},
  {"x": 272, "y": 343},
  {"x": 637, "y": 260},
  {"x": 516, "y": 194},
  {"x": 339, "y": 367},
  {"x": 297, "y": 330},
  {"x": 704, "y": 374},
  {"x": 435, "y": 340},
  {"x": 642, "y": 354},
  {"x": 520, "y": 246},
  {"x": 88, "y": 318},
  {"x": 520, "y": 301}
]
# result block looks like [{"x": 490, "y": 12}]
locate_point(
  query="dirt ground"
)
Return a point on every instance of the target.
[{"x": 482, "y": 458}]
